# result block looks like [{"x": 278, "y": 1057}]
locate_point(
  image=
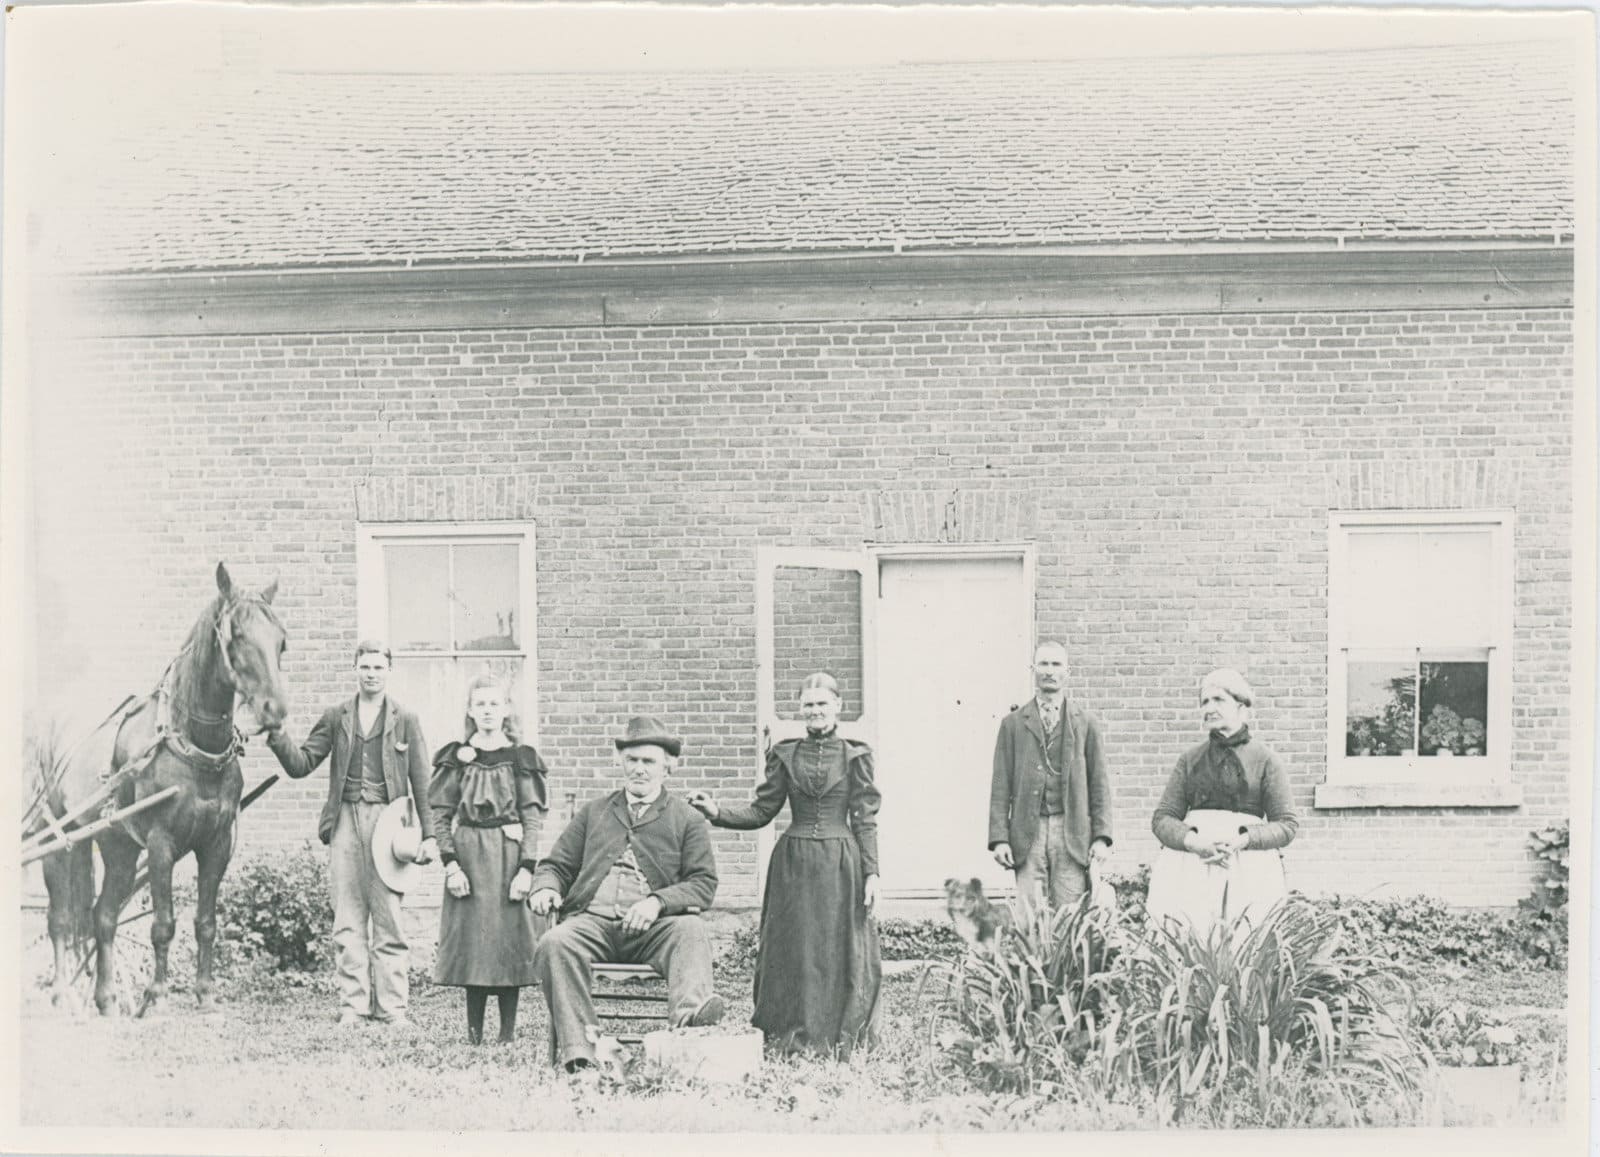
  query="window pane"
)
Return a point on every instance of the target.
[
  {"x": 1380, "y": 715},
  {"x": 816, "y": 626},
  {"x": 419, "y": 608},
  {"x": 1456, "y": 577},
  {"x": 1454, "y": 700},
  {"x": 486, "y": 598},
  {"x": 436, "y": 689},
  {"x": 1380, "y": 589}
]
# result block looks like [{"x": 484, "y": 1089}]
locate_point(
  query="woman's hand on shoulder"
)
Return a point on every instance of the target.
[{"x": 704, "y": 804}]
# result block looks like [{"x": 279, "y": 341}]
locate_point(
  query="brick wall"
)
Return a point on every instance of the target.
[{"x": 1178, "y": 473}]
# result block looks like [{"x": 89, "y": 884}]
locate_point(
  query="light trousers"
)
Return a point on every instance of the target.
[
  {"x": 1049, "y": 874},
  {"x": 678, "y": 947},
  {"x": 367, "y": 930}
]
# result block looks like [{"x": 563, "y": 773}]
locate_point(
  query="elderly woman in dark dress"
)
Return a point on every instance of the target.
[
  {"x": 488, "y": 800},
  {"x": 817, "y": 970},
  {"x": 1225, "y": 815}
]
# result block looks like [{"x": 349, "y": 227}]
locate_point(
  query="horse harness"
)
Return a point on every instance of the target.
[{"x": 171, "y": 738}]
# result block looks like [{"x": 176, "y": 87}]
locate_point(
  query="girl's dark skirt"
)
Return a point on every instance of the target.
[{"x": 485, "y": 939}]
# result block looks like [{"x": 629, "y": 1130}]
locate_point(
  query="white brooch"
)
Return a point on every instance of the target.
[{"x": 465, "y": 754}]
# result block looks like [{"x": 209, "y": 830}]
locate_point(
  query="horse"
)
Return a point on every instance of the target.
[{"x": 184, "y": 736}]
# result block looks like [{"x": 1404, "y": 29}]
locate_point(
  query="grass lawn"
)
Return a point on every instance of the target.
[{"x": 275, "y": 1059}]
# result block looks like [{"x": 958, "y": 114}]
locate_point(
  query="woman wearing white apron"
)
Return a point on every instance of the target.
[{"x": 1223, "y": 819}]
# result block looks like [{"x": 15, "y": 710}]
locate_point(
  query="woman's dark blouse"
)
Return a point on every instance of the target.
[
  {"x": 828, "y": 782},
  {"x": 1266, "y": 794},
  {"x": 495, "y": 788}
]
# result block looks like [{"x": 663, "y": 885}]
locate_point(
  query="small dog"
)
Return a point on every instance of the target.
[{"x": 978, "y": 919}]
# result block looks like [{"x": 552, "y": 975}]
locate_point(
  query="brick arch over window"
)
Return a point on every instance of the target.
[
  {"x": 447, "y": 498},
  {"x": 950, "y": 515}
]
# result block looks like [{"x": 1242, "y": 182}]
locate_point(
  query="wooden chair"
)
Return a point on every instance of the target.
[{"x": 619, "y": 991}]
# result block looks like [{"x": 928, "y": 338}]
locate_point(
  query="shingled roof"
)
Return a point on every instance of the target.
[{"x": 305, "y": 170}]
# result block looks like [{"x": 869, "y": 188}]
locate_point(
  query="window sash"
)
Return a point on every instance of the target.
[
  {"x": 372, "y": 611},
  {"x": 1493, "y": 648}
]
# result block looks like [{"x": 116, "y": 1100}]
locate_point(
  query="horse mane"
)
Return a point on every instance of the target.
[{"x": 199, "y": 653}]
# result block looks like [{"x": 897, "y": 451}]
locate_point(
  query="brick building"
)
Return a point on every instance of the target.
[{"x": 661, "y": 389}]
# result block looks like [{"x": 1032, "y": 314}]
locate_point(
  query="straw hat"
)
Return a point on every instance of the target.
[{"x": 396, "y": 839}]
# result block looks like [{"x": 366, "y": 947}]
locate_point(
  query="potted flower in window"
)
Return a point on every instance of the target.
[{"x": 1479, "y": 1059}]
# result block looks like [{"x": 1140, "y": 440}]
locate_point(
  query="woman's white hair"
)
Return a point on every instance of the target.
[{"x": 1229, "y": 680}]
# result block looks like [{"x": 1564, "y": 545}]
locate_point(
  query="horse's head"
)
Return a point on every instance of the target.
[{"x": 252, "y": 642}]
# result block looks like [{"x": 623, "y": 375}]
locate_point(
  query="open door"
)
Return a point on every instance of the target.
[{"x": 814, "y": 611}]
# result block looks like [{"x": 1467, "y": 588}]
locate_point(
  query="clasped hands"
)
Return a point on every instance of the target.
[{"x": 1219, "y": 852}]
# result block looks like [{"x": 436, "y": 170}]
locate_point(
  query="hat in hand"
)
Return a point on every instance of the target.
[
  {"x": 396, "y": 840},
  {"x": 643, "y": 729}
]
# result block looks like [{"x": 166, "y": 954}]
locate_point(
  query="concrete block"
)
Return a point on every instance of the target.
[{"x": 713, "y": 1053}]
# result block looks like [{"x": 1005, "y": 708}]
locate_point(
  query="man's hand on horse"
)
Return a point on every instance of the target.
[
  {"x": 643, "y": 914},
  {"x": 545, "y": 901},
  {"x": 429, "y": 851}
]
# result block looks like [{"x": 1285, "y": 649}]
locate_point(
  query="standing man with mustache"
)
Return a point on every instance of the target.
[
  {"x": 1050, "y": 798},
  {"x": 629, "y": 874}
]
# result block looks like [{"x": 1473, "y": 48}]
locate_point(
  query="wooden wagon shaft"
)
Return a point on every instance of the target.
[
  {"x": 49, "y": 843},
  {"x": 110, "y": 786}
]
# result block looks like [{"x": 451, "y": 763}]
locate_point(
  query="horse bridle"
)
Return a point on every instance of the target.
[{"x": 222, "y": 628}]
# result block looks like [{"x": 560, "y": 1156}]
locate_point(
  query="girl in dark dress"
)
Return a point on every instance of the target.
[
  {"x": 488, "y": 800},
  {"x": 817, "y": 970}
]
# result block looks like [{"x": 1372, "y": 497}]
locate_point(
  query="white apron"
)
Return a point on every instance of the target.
[{"x": 1185, "y": 889}]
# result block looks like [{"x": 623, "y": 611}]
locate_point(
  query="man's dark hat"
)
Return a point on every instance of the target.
[{"x": 643, "y": 729}]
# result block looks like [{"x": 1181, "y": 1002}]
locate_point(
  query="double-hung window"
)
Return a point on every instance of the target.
[
  {"x": 452, "y": 601},
  {"x": 1420, "y": 608}
]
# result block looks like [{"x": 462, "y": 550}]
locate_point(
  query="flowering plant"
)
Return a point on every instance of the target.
[{"x": 1466, "y": 1038}]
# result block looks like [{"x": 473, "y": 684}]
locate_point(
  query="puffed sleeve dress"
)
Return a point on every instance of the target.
[
  {"x": 817, "y": 968},
  {"x": 488, "y": 809}
]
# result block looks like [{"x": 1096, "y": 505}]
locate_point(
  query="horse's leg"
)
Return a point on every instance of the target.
[
  {"x": 158, "y": 849},
  {"x": 120, "y": 857},
  {"x": 211, "y": 863}
]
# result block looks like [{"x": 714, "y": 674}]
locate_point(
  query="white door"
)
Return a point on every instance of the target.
[{"x": 953, "y": 636}]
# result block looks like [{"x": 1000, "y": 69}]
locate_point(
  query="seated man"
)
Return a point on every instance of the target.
[{"x": 628, "y": 874}]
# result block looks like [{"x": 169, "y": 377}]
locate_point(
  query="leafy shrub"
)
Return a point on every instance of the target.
[
  {"x": 1543, "y": 915},
  {"x": 1416, "y": 929},
  {"x": 918, "y": 940},
  {"x": 738, "y": 953},
  {"x": 276, "y": 906},
  {"x": 1467, "y": 1037}
]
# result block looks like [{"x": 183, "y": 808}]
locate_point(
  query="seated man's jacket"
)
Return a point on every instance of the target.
[{"x": 671, "y": 843}]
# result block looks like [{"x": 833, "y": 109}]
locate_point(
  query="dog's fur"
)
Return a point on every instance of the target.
[{"x": 978, "y": 920}]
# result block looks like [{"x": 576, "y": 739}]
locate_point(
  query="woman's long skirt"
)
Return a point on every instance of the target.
[
  {"x": 817, "y": 971},
  {"x": 485, "y": 939},
  {"x": 1202, "y": 895}
]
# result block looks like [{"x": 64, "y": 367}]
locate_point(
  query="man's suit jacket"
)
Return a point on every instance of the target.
[
  {"x": 671, "y": 842},
  {"x": 405, "y": 758},
  {"x": 1017, "y": 790}
]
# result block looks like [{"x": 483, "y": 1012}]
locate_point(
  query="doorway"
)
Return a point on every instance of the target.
[{"x": 953, "y": 635}]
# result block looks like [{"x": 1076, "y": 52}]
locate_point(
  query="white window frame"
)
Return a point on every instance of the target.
[
  {"x": 372, "y": 592},
  {"x": 1418, "y": 779}
]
